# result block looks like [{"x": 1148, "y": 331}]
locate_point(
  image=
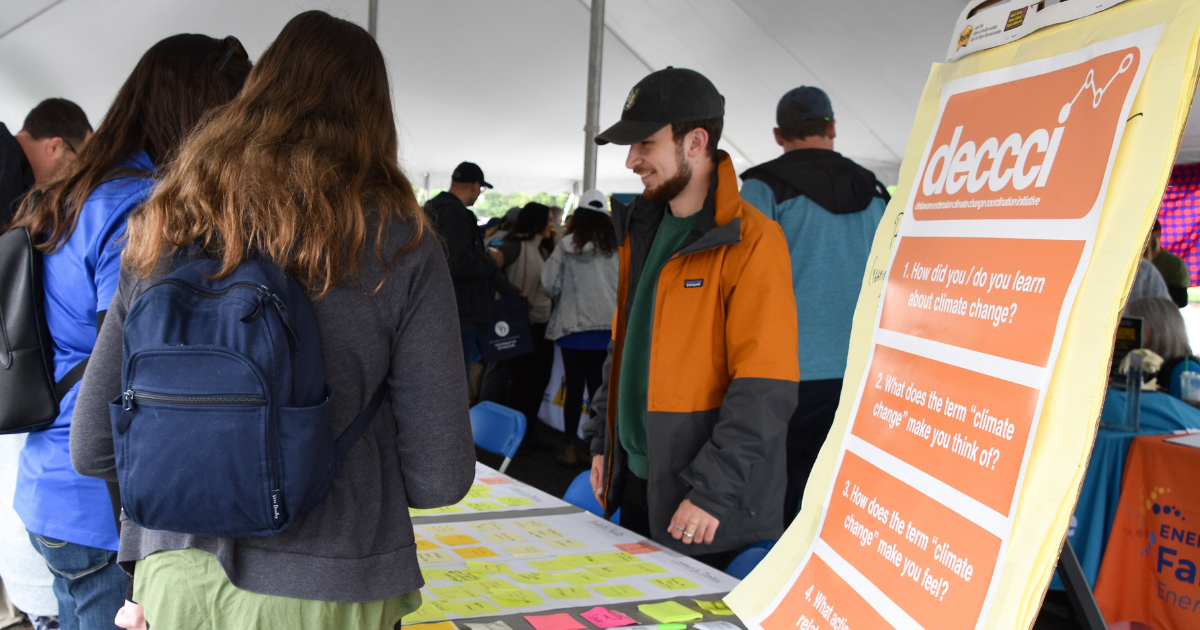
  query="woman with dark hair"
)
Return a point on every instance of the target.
[
  {"x": 525, "y": 251},
  {"x": 78, "y": 222},
  {"x": 301, "y": 170},
  {"x": 582, "y": 274}
]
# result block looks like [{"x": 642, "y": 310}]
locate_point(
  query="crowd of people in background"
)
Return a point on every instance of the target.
[{"x": 702, "y": 328}]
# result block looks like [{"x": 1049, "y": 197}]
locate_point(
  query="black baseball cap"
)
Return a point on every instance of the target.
[
  {"x": 671, "y": 95},
  {"x": 469, "y": 173},
  {"x": 804, "y": 103}
]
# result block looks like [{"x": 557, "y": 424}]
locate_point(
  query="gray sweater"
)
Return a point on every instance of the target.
[{"x": 357, "y": 545}]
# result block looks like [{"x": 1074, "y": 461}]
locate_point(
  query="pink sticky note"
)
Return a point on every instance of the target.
[
  {"x": 605, "y": 618},
  {"x": 494, "y": 481},
  {"x": 561, "y": 621}
]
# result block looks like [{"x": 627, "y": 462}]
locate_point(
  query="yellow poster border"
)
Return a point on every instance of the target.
[{"x": 1062, "y": 444}]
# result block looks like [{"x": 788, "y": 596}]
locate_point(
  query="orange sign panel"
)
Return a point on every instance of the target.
[
  {"x": 932, "y": 562},
  {"x": 1033, "y": 148},
  {"x": 997, "y": 296},
  {"x": 820, "y": 598},
  {"x": 964, "y": 428}
]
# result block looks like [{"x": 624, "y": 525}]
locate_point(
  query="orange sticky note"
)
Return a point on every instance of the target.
[{"x": 475, "y": 552}]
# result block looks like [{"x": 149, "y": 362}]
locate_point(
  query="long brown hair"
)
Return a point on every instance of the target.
[
  {"x": 591, "y": 226},
  {"x": 293, "y": 168},
  {"x": 165, "y": 96}
]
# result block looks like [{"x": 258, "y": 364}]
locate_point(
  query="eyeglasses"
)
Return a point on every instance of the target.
[
  {"x": 235, "y": 48},
  {"x": 69, "y": 145}
]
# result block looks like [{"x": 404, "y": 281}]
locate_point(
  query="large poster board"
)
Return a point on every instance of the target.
[{"x": 983, "y": 330}]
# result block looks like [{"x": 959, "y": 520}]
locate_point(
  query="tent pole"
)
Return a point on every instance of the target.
[
  {"x": 372, "y": 16},
  {"x": 595, "y": 62}
]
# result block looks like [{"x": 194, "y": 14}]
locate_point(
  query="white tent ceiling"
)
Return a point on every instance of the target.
[{"x": 503, "y": 82}]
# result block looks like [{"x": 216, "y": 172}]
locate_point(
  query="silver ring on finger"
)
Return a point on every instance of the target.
[
  {"x": 689, "y": 535},
  {"x": 679, "y": 528}
]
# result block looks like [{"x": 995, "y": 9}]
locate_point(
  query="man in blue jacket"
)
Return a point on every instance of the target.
[{"x": 829, "y": 208}]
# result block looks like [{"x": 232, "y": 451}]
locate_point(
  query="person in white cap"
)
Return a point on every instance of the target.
[{"x": 582, "y": 273}]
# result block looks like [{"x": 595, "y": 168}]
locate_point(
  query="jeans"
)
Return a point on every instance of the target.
[{"x": 88, "y": 584}]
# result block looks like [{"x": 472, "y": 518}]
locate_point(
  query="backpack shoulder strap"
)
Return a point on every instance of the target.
[
  {"x": 74, "y": 376},
  {"x": 349, "y": 437}
]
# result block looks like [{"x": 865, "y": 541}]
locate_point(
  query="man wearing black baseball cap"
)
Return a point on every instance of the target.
[
  {"x": 687, "y": 430},
  {"x": 472, "y": 267},
  {"x": 829, "y": 208}
]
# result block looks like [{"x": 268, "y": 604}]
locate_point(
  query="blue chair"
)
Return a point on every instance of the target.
[
  {"x": 498, "y": 429},
  {"x": 744, "y": 563},
  {"x": 579, "y": 494}
]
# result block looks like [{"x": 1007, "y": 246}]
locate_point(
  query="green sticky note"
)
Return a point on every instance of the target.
[
  {"x": 567, "y": 592},
  {"x": 583, "y": 560},
  {"x": 486, "y": 567},
  {"x": 460, "y": 575},
  {"x": 534, "y": 577},
  {"x": 616, "y": 570},
  {"x": 433, "y": 574},
  {"x": 649, "y": 567},
  {"x": 427, "y": 612},
  {"x": 618, "y": 591},
  {"x": 479, "y": 491},
  {"x": 718, "y": 607},
  {"x": 674, "y": 583},
  {"x": 551, "y": 565},
  {"x": 617, "y": 558},
  {"x": 453, "y": 592},
  {"x": 480, "y": 506},
  {"x": 669, "y": 612},
  {"x": 583, "y": 578},
  {"x": 473, "y": 608},
  {"x": 514, "y": 501},
  {"x": 517, "y": 595},
  {"x": 487, "y": 586}
]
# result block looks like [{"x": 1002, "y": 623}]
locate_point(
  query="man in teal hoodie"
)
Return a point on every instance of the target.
[{"x": 829, "y": 208}]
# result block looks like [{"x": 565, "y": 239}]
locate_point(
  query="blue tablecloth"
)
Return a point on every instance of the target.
[{"x": 1160, "y": 413}]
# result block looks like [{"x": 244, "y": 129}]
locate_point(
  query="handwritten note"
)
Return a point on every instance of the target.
[
  {"x": 603, "y": 618},
  {"x": 618, "y": 591},
  {"x": 567, "y": 592},
  {"x": 674, "y": 583},
  {"x": 460, "y": 539}
]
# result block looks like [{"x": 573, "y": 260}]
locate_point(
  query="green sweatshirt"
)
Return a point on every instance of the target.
[{"x": 635, "y": 358}]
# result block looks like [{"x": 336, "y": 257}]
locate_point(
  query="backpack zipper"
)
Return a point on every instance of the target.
[{"x": 131, "y": 397}]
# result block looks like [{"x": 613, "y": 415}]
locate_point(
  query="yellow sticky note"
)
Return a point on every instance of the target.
[
  {"x": 473, "y": 608},
  {"x": 461, "y": 575},
  {"x": 556, "y": 564},
  {"x": 530, "y": 524},
  {"x": 718, "y": 607},
  {"x": 673, "y": 583},
  {"x": 670, "y": 612},
  {"x": 487, "y": 586},
  {"x": 524, "y": 550},
  {"x": 442, "y": 530},
  {"x": 584, "y": 560},
  {"x": 487, "y": 567},
  {"x": 517, "y": 594},
  {"x": 417, "y": 512},
  {"x": 460, "y": 539},
  {"x": 427, "y": 612},
  {"x": 583, "y": 578},
  {"x": 486, "y": 526},
  {"x": 616, "y": 570},
  {"x": 441, "y": 625},
  {"x": 618, "y": 558},
  {"x": 479, "y": 491},
  {"x": 433, "y": 574},
  {"x": 514, "y": 501},
  {"x": 535, "y": 577},
  {"x": 426, "y": 545},
  {"x": 448, "y": 509},
  {"x": 565, "y": 543},
  {"x": 618, "y": 591},
  {"x": 503, "y": 537},
  {"x": 544, "y": 532},
  {"x": 434, "y": 557},
  {"x": 480, "y": 506},
  {"x": 512, "y": 603},
  {"x": 475, "y": 552},
  {"x": 567, "y": 592},
  {"x": 453, "y": 592},
  {"x": 650, "y": 567}
]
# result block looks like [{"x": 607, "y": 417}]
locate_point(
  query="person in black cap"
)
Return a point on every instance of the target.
[
  {"x": 829, "y": 208},
  {"x": 687, "y": 430},
  {"x": 472, "y": 266}
]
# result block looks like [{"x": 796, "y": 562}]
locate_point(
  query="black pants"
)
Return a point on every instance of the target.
[
  {"x": 807, "y": 431},
  {"x": 635, "y": 516},
  {"x": 528, "y": 377},
  {"x": 580, "y": 368}
]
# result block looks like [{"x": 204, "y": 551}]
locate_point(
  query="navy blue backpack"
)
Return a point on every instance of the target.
[{"x": 223, "y": 427}]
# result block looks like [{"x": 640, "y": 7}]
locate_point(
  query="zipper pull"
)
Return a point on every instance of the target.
[
  {"x": 126, "y": 417},
  {"x": 128, "y": 397}
]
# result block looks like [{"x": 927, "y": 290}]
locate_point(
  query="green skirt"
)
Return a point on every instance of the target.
[{"x": 188, "y": 590}]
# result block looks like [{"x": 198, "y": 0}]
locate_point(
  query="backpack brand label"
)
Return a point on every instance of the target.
[
  {"x": 276, "y": 509},
  {"x": 693, "y": 284}
]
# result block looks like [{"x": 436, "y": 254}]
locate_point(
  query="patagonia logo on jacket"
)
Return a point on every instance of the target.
[{"x": 693, "y": 284}]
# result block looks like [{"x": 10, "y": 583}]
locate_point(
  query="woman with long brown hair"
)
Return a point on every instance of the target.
[
  {"x": 78, "y": 223},
  {"x": 301, "y": 170}
]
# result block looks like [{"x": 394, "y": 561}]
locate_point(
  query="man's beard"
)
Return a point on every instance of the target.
[{"x": 671, "y": 188}]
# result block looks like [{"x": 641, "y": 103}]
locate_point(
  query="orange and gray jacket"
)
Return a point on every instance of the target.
[{"x": 723, "y": 368}]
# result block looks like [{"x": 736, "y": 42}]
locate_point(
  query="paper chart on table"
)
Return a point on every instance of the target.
[
  {"x": 492, "y": 491},
  {"x": 534, "y": 575}
]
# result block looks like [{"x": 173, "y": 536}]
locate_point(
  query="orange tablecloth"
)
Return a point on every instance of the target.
[{"x": 1149, "y": 572}]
